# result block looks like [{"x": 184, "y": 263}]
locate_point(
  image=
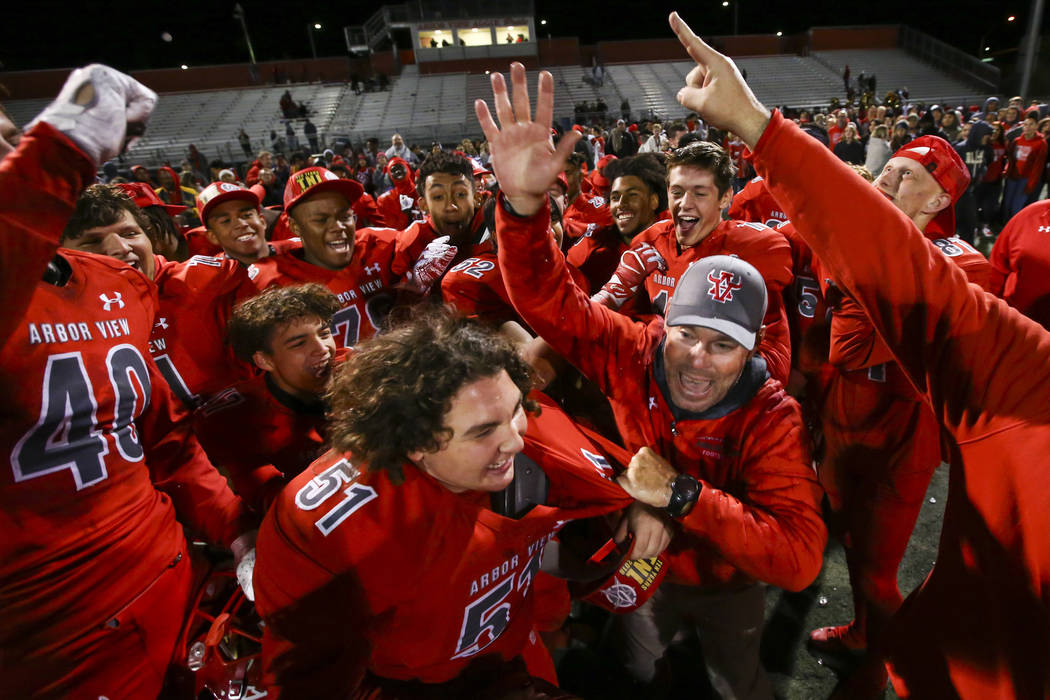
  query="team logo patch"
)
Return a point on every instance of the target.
[
  {"x": 642, "y": 571},
  {"x": 107, "y": 302},
  {"x": 722, "y": 285},
  {"x": 373, "y": 269},
  {"x": 1044, "y": 229},
  {"x": 228, "y": 187},
  {"x": 620, "y": 595}
]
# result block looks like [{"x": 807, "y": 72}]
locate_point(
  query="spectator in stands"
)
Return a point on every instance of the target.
[
  {"x": 380, "y": 180},
  {"x": 227, "y": 175},
  {"x": 989, "y": 190},
  {"x": 835, "y": 130},
  {"x": 621, "y": 141},
  {"x": 363, "y": 172},
  {"x": 290, "y": 138},
  {"x": 140, "y": 173},
  {"x": 310, "y": 131},
  {"x": 878, "y": 150},
  {"x": 267, "y": 189},
  {"x": 197, "y": 161},
  {"x": 398, "y": 149},
  {"x": 172, "y": 192},
  {"x": 901, "y": 135},
  {"x": 246, "y": 143},
  {"x": 849, "y": 148},
  {"x": 287, "y": 105},
  {"x": 1024, "y": 176},
  {"x": 214, "y": 168},
  {"x": 951, "y": 126},
  {"x": 297, "y": 161},
  {"x": 265, "y": 160},
  {"x": 657, "y": 141},
  {"x": 399, "y": 206},
  {"x": 281, "y": 171}
]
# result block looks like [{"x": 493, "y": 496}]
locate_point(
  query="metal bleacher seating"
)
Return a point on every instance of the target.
[
  {"x": 895, "y": 69},
  {"x": 426, "y": 108}
]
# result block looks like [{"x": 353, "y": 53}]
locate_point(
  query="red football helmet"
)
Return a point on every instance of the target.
[{"x": 219, "y": 652}]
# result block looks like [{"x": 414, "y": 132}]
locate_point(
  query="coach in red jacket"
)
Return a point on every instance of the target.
[{"x": 719, "y": 444}]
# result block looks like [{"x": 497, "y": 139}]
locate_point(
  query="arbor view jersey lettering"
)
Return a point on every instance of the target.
[{"x": 418, "y": 582}]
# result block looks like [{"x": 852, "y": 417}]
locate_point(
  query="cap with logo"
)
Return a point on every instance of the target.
[
  {"x": 144, "y": 196},
  {"x": 941, "y": 161},
  {"x": 307, "y": 182},
  {"x": 723, "y": 293},
  {"x": 218, "y": 192}
]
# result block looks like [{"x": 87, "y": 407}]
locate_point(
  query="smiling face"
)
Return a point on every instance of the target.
[
  {"x": 702, "y": 365},
  {"x": 695, "y": 204},
  {"x": 449, "y": 199},
  {"x": 912, "y": 190},
  {"x": 300, "y": 357},
  {"x": 487, "y": 423},
  {"x": 633, "y": 205},
  {"x": 124, "y": 240},
  {"x": 237, "y": 226},
  {"x": 326, "y": 223}
]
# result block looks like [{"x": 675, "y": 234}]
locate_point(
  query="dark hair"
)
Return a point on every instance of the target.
[
  {"x": 688, "y": 138},
  {"x": 391, "y": 397},
  {"x": 488, "y": 215},
  {"x": 102, "y": 205},
  {"x": 647, "y": 167},
  {"x": 708, "y": 156},
  {"x": 162, "y": 226},
  {"x": 443, "y": 162},
  {"x": 255, "y": 321},
  {"x": 675, "y": 128}
]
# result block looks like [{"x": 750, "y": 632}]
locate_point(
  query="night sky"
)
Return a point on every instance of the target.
[{"x": 127, "y": 35}]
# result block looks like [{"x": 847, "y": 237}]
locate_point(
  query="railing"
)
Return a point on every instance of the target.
[{"x": 949, "y": 59}]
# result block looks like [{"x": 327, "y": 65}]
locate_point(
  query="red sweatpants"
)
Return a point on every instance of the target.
[
  {"x": 882, "y": 445},
  {"x": 126, "y": 656}
]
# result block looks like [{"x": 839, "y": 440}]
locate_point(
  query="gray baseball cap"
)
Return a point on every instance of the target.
[{"x": 721, "y": 292}]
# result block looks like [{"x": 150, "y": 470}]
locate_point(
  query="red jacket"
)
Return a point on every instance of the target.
[
  {"x": 1027, "y": 157},
  {"x": 596, "y": 254},
  {"x": 1021, "y": 263},
  {"x": 586, "y": 213},
  {"x": 758, "y": 517},
  {"x": 399, "y": 207},
  {"x": 759, "y": 245},
  {"x": 754, "y": 203},
  {"x": 977, "y": 627},
  {"x": 408, "y": 581}
]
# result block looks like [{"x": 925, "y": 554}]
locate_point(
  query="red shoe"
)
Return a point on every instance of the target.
[{"x": 840, "y": 639}]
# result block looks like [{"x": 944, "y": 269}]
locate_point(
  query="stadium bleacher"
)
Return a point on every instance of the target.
[{"x": 427, "y": 108}]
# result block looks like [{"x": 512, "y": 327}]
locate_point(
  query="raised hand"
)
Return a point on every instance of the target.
[
  {"x": 524, "y": 159},
  {"x": 716, "y": 91},
  {"x": 432, "y": 263}
]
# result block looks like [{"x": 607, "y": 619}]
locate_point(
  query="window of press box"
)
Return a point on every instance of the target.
[
  {"x": 475, "y": 36},
  {"x": 513, "y": 35},
  {"x": 436, "y": 39}
]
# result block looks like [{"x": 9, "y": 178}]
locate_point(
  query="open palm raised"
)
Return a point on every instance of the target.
[{"x": 524, "y": 159}]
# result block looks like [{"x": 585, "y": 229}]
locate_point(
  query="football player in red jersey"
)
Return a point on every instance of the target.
[
  {"x": 584, "y": 210},
  {"x": 355, "y": 264},
  {"x": 435, "y": 504},
  {"x": 95, "y": 578},
  {"x": 977, "y": 626},
  {"x": 286, "y": 333},
  {"x": 195, "y": 297},
  {"x": 719, "y": 445},
  {"x": 637, "y": 197},
  {"x": 233, "y": 221}
]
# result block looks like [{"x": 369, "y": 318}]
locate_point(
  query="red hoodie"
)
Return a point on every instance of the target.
[{"x": 400, "y": 206}]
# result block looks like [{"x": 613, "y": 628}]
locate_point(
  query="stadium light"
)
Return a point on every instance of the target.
[
  {"x": 725, "y": 3},
  {"x": 543, "y": 21},
  {"x": 317, "y": 25},
  {"x": 1011, "y": 18},
  {"x": 184, "y": 66},
  {"x": 780, "y": 33},
  {"x": 310, "y": 36}
]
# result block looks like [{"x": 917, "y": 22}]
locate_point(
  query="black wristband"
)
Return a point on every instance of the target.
[{"x": 685, "y": 490}]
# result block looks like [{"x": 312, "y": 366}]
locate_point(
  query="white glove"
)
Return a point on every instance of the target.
[
  {"x": 432, "y": 263},
  {"x": 243, "y": 549},
  {"x": 636, "y": 264},
  {"x": 97, "y": 108}
]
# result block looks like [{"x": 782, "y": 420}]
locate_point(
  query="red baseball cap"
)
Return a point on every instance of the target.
[
  {"x": 218, "y": 192},
  {"x": 941, "y": 161},
  {"x": 598, "y": 178},
  {"x": 307, "y": 182},
  {"x": 144, "y": 196}
]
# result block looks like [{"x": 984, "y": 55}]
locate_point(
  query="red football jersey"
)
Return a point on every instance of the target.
[
  {"x": 596, "y": 254},
  {"x": 1021, "y": 263},
  {"x": 416, "y": 582},
  {"x": 754, "y": 203},
  {"x": 365, "y": 287},
  {"x": 756, "y": 243},
  {"x": 413, "y": 240},
  {"x": 99, "y": 452},
  {"x": 188, "y": 342},
  {"x": 286, "y": 435},
  {"x": 808, "y": 314}
]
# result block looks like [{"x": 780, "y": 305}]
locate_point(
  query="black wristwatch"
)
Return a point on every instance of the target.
[{"x": 685, "y": 490}]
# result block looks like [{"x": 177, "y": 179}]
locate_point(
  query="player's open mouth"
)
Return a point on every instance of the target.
[
  {"x": 322, "y": 370},
  {"x": 341, "y": 245},
  {"x": 687, "y": 223},
  {"x": 246, "y": 237},
  {"x": 624, "y": 218},
  {"x": 501, "y": 468}
]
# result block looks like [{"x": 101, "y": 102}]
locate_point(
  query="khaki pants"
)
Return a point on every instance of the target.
[{"x": 730, "y": 629}]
